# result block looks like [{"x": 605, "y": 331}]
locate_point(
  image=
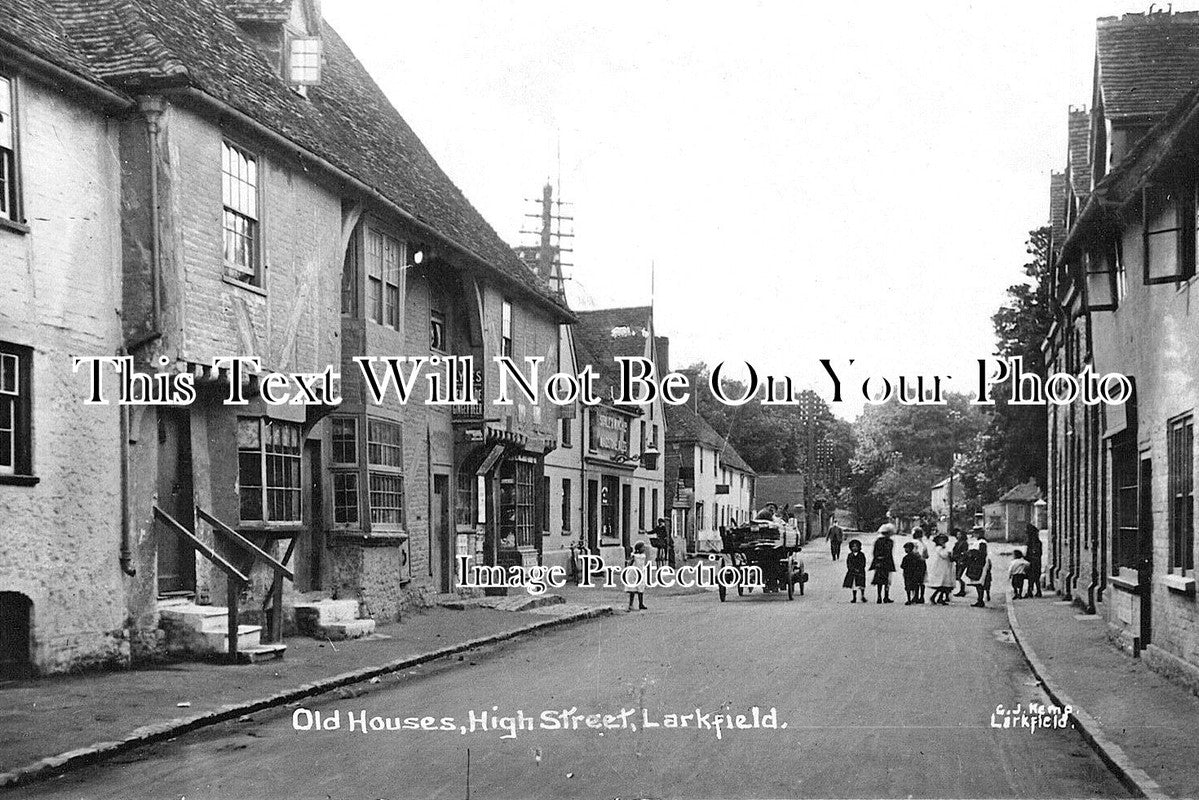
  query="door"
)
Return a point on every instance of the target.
[
  {"x": 442, "y": 539},
  {"x": 609, "y": 497},
  {"x": 626, "y": 516},
  {"x": 592, "y": 515},
  {"x": 308, "y": 575},
  {"x": 176, "y": 563},
  {"x": 1145, "y": 552}
]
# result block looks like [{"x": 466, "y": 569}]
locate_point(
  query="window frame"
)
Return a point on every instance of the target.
[
  {"x": 345, "y": 472},
  {"x": 20, "y": 406},
  {"x": 1183, "y": 202},
  {"x": 383, "y": 470},
  {"x": 13, "y": 214},
  {"x": 567, "y": 502},
  {"x": 266, "y": 425},
  {"x": 256, "y": 275},
  {"x": 290, "y": 57},
  {"x": 387, "y": 308},
  {"x": 506, "y": 326},
  {"x": 1180, "y": 491}
]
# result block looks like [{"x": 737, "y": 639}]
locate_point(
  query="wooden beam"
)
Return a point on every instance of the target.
[
  {"x": 199, "y": 546},
  {"x": 245, "y": 543}
]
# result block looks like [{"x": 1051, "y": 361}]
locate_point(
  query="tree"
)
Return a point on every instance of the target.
[
  {"x": 1015, "y": 447},
  {"x": 904, "y": 487}
]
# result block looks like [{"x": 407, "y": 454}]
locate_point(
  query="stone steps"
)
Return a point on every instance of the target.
[
  {"x": 334, "y": 620},
  {"x": 200, "y": 630}
]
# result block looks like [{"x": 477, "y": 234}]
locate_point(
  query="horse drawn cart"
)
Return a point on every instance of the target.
[{"x": 770, "y": 546}]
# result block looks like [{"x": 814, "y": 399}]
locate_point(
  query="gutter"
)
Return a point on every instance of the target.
[{"x": 244, "y": 119}]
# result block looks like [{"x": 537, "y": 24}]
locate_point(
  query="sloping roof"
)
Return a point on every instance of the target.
[
  {"x": 1057, "y": 207},
  {"x": 1026, "y": 492},
  {"x": 1078, "y": 160},
  {"x": 605, "y": 334},
  {"x": 144, "y": 45},
  {"x": 1146, "y": 62},
  {"x": 778, "y": 488},
  {"x": 684, "y": 426}
]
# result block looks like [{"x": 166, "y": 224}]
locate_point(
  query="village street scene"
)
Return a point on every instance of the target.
[{"x": 320, "y": 475}]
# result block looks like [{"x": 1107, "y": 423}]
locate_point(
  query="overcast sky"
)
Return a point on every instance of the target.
[{"x": 809, "y": 180}]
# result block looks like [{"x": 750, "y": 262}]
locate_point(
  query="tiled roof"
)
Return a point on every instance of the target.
[
  {"x": 1146, "y": 62},
  {"x": 259, "y": 10},
  {"x": 141, "y": 45},
  {"x": 1026, "y": 492},
  {"x": 685, "y": 425},
  {"x": 1078, "y": 163},
  {"x": 605, "y": 334}
]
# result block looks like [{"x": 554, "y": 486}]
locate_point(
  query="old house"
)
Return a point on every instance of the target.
[
  {"x": 236, "y": 185},
  {"x": 710, "y": 485},
  {"x": 1121, "y": 515},
  {"x": 1007, "y": 518}
]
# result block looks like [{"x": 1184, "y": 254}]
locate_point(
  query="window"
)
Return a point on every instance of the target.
[
  {"x": 506, "y": 329},
  {"x": 464, "y": 505},
  {"x": 385, "y": 474},
  {"x": 1124, "y": 502},
  {"x": 384, "y": 256},
  {"x": 16, "y": 422},
  {"x": 1168, "y": 226},
  {"x": 344, "y": 440},
  {"x": 566, "y": 505},
  {"x": 517, "y": 502},
  {"x": 641, "y": 508},
  {"x": 9, "y": 194},
  {"x": 1180, "y": 466},
  {"x": 654, "y": 507},
  {"x": 268, "y": 462},
  {"x": 564, "y": 432},
  {"x": 239, "y": 193},
  {"x": 701, "y": 458},
  {"x": 437, "y": 331},
  {"x": 699, "y": 516},
  {"x": 304, "y": 61},
  {"x": 653, "y": 436}
]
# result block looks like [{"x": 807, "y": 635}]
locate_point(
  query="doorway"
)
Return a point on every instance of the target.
[
  {"x": 16, "y": 629},
  {"x": 441, "y": 533},
  {"x": 176, "y": 563},
  {"x": 593, "y": 515}
]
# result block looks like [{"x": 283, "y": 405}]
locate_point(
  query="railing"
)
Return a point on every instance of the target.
[
  {"x": 274, "y": 626},
  {"x": 235, "y": 580}
]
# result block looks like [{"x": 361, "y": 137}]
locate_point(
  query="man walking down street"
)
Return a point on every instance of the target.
[{"x": 835, "y": 537}]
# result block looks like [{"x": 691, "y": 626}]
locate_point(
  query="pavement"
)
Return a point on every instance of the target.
[
  {"x": 863, "y": 700},
  {"x": 1141, "y": 723},
  {"x": 61, "y": 722}
]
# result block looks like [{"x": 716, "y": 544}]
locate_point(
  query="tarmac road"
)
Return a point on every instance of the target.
[{"x": 877, "y": 700}]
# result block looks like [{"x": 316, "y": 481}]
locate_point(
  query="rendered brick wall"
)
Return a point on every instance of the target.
[{"x": 61, "y": 295}]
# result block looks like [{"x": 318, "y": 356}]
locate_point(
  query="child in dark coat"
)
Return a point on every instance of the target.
[
  {"x": 912, "y": 566},
  {"x": 855, "y": 571}
]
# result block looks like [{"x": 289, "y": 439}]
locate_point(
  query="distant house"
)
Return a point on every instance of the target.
[{"x": 1006, "y": 517}]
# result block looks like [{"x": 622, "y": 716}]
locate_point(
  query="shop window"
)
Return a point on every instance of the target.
[
  {"x": 464, "y": 505},
  {"x": 1180, "y": 477},
  {"x": 517, "y": 503},
  {"x": 239, "y": 194},
  {"x": 10, "y": 196},
  {"x": 385, "y": 474},
  {"x": 268, "y": 454}
]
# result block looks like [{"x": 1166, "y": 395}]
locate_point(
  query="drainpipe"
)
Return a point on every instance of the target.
[
  {"x": 152, "y": 108},
  {"x": 126, "y": 556}
]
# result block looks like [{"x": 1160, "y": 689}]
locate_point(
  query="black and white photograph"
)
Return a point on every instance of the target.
[{"x": 504, "y": 399}]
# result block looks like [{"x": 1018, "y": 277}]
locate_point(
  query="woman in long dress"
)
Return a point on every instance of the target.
[
  {"x": 883, "y": 562},
  {"x": 977, "y": 567}
]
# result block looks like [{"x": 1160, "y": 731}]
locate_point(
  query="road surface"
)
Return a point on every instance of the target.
[{"x": 871, "y": 701}]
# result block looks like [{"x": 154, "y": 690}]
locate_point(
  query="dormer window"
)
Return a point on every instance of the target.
[{"x": 304, "y": 61}]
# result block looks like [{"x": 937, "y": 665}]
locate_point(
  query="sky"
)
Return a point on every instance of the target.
[{"x": 803, "y": 181}]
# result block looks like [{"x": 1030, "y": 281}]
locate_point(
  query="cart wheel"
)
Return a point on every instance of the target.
[{"x": 791, "y": 580}]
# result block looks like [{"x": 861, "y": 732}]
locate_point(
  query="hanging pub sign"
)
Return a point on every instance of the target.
[{"x": 609, "y": 431}]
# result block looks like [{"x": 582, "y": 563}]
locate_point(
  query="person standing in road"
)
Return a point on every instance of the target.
[
  {"x": 835, "y": 536},
  {"x": 1033, "y": 552},
  {"x": 883, "y": 562},
  {"x": 855, "y": 571},
  {"x": 978, "y": 567},
  {"x": 940, "y": 570},
  {"x": 960, "y": 552},
  {"x": 921, "y": 549},
  {"x": 635, "y": 573}
]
